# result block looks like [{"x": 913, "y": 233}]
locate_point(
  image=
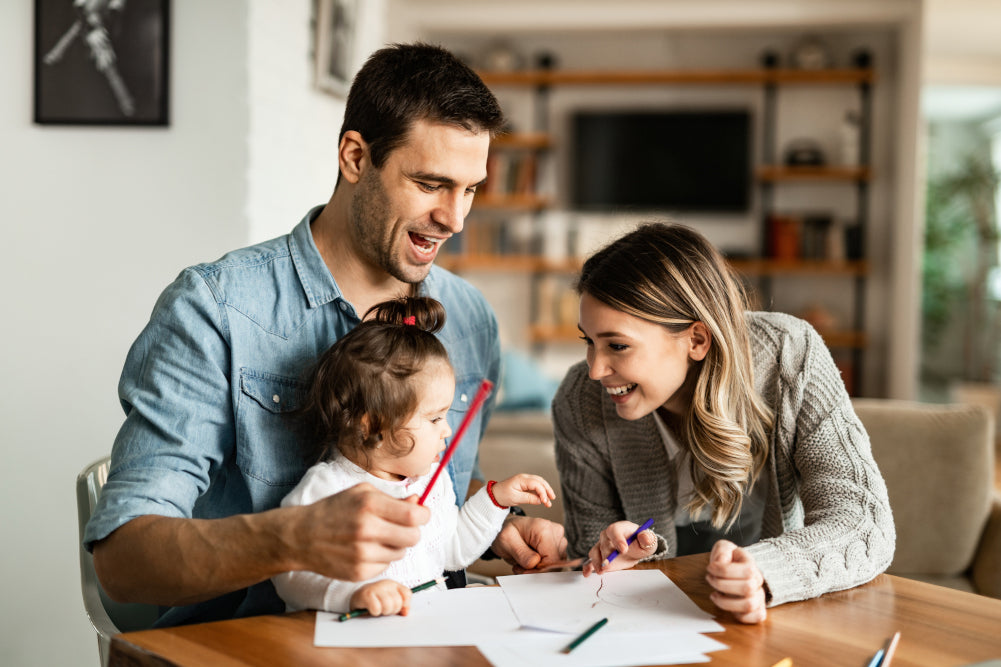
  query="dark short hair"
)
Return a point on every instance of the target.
[
  {"x": 403, "y": 83},
  {"x": 366, "y": 373}
]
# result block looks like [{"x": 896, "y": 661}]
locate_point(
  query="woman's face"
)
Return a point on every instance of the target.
[{"x": 641, "y": 365}]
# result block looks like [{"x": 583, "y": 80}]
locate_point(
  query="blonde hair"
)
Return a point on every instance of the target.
[{"x": 671, "y": 275}]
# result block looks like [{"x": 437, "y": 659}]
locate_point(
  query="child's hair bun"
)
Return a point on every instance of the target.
[{"x": 422, "y": 312}]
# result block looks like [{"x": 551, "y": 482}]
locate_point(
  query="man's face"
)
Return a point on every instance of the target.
[{"x": 402, "y": 213}]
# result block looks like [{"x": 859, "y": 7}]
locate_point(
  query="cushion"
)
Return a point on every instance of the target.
[{"x": 937, "y": 463}]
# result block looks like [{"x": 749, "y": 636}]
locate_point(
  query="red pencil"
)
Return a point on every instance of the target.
[{"x": 481, "y": 395}]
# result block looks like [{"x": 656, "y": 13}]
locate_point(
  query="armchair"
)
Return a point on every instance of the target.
[{"x": 938, "y": 463}]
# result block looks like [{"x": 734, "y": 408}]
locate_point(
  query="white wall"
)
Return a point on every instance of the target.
[
  {"x": 292, "y": 138},
  {"x": 961, "y": 42},
  {"x": 96, "y": 221}
]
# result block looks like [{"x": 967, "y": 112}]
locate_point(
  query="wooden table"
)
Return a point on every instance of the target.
[{"x": 939, "y": 627}]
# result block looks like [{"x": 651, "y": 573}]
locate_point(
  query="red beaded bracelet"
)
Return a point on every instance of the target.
[{"x": 490, "y": 492}]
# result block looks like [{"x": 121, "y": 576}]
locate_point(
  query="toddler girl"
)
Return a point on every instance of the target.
[{"x": 375, "y": 412}]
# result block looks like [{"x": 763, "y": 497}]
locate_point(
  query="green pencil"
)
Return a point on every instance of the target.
[
  {"x": 587, "y": 633},
  {"x": 416, "y": 589}
]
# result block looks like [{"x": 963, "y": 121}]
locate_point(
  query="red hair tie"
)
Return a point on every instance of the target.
[{"x": 410, "y": 319}]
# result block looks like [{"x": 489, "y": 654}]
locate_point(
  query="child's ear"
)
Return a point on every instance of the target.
[
  {"x": 700, "y": 340},
  {"x": 365, "y": 426}
]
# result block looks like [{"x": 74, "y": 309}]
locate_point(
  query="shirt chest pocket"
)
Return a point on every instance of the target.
[
  {"x": 267, "y": 448},
  {"x": 464, "y": 459}
]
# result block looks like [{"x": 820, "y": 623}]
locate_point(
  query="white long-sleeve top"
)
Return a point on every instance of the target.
[{"x": 451, "y": 540}]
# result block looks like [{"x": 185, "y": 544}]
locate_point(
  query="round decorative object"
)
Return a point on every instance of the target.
[
  {"x": 810, "y": 53},
  {"x": 769, "y": 59},
  {"x": 545, "y": 60},
  {"x": 862, "y": 58},
  {"x": 804, "y": 153},
  {"x": 501, "y": 56}
]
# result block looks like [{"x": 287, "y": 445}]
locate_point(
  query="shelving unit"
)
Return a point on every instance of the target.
[
  {"x": 768, "y": 175},
  {"x": 772, "y": 174}
]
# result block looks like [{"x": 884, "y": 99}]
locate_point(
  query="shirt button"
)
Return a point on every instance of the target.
[
  {"x": 463, "y": 398},
  {"x": 343, "y": 306},
  {"x": 276, "y": 398}
]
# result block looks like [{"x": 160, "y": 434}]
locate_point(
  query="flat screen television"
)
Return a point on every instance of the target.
[{"x": 665, "y": 160}]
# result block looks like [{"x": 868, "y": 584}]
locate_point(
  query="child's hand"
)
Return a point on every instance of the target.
[
  {"x": 613, "y": 538},
  {"x": 524, "y": 488},
  {"x": 382, "y": 598}
]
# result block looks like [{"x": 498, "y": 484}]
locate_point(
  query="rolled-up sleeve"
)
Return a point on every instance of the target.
[{"x": 175, "y": 390}]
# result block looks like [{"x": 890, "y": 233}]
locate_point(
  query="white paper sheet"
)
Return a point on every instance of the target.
[
  {"x": 536, "y": 648},
  {"x": 459, "y": 617},
  {"x": 635, "y": 600}
]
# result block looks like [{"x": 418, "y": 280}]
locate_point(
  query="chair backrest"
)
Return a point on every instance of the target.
[
  {"x": 936, "y": 460},
  {"x": 107, "y": 616}
]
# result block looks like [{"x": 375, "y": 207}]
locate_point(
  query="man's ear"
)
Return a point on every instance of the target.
[
  {"x": 700, "y": 340},
  {"x": 352, "y": 155}
]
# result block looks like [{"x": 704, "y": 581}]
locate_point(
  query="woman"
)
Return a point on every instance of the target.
[{"x": 731, "y": 429}]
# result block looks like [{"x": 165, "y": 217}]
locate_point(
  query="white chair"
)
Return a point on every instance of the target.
[{"x": 107, "y": 616}]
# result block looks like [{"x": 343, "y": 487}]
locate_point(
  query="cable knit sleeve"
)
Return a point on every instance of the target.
[{"x": 838, "y": 528}]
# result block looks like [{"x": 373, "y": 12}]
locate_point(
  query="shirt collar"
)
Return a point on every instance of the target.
[{"x": 317, "y": 282}]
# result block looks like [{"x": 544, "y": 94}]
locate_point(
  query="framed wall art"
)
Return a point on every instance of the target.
[
  {"x": 335, "y": 44},
  {"x": 101, "y": 62}
]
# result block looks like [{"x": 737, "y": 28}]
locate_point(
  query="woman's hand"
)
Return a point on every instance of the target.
[
  {"x": 382, "y": 598},
  {"x": 614, "y": 538},
  {"x": 738, "y": 583},
  {"x": 523, "y": 488}
]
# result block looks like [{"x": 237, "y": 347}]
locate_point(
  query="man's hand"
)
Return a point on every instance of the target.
[
  {"x": 355, "y": 534},
  {"x": 352, "y": 535},
  {"x": 529, "y": 543},
  {"x": 738, "y": 583},
  {"x": 614, "y": 538}
]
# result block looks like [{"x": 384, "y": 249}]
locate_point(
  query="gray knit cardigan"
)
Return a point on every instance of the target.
[{"x": 827, "y": 524}]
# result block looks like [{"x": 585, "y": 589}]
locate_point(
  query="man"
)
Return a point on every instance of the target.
[{"x": 188, "y": 516}]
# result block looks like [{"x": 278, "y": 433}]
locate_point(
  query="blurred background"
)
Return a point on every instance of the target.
[{"x": 866, "y": 135}]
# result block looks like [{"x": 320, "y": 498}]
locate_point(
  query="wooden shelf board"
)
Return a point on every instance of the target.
[
  {"x": 646, "y": 77},
  {"x": 769, "y": 173},
  {"x": 554, "y": 333},
  {"x": 523, "y": 141},
  {"x": 845, "y": 339},
  {"x": 770, "y": 267},
  {"x": 490, "y": 262},
  {"x": 821, "y": 76},
  {"x": 747, "y": 267},
  {"x": 524, "y": 202}
]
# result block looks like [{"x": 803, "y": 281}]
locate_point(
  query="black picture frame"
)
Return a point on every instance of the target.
[
  {"x": 335, "y": 45},
  {"x": 102, "y": 62}
]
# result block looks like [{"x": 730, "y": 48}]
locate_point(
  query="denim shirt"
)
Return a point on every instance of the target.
[{"x": 207, "y": 386}]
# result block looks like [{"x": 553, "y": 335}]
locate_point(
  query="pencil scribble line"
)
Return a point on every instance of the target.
[{"x": 597, "y": 594}]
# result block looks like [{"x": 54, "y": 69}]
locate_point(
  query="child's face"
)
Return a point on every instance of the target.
[{"x": 427, "y": 426}]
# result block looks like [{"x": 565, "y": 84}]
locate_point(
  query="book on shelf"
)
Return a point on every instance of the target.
[
  {"x": 811, "y": 236},
  {"x": 510, "y": 173}
]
